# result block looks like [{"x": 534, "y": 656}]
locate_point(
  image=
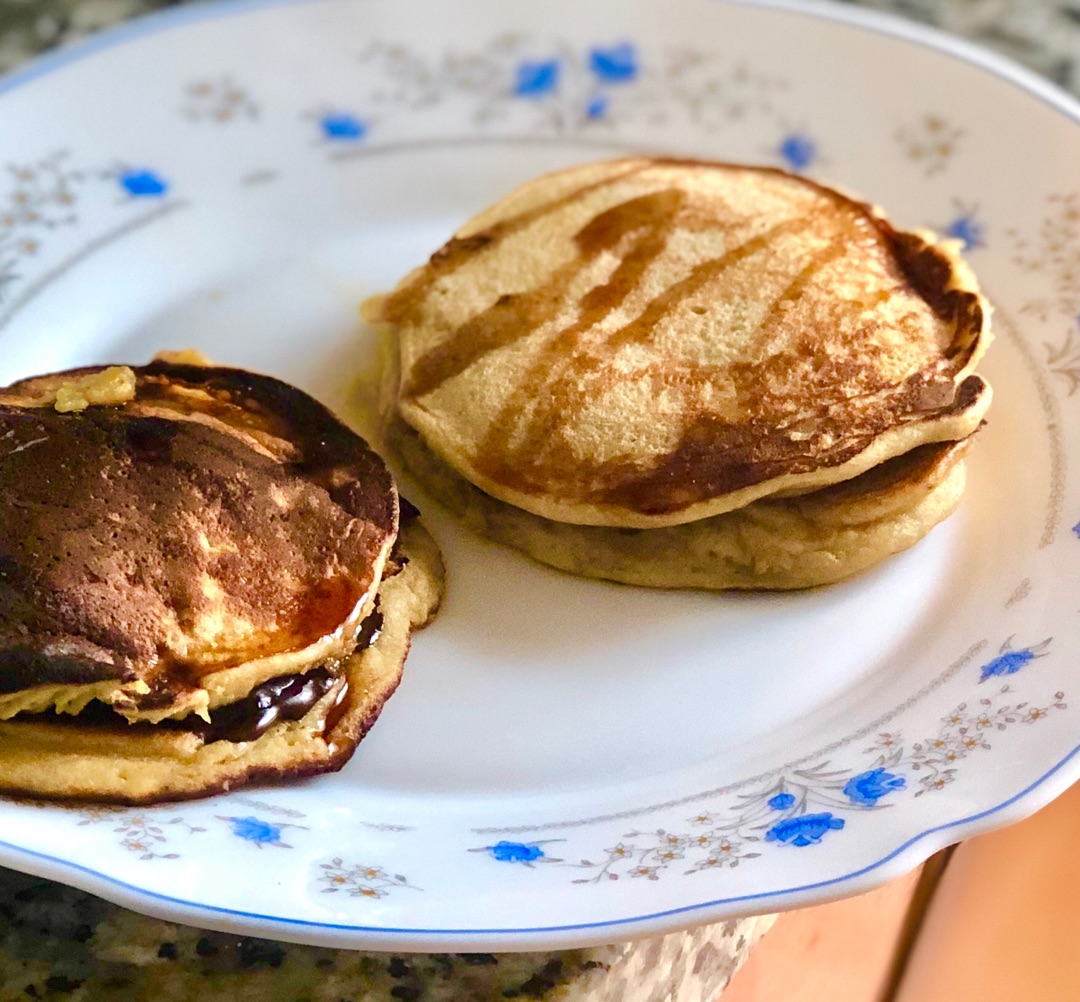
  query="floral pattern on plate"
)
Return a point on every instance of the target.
[
  {"x": 321, "y": 157},
  {"x": 801, "y": 807},
  {"x": 558, "y": 87}
]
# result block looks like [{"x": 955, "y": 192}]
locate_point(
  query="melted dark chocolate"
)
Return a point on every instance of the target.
[
  {"x": 407, "y": 511},
  {"x": 288, "y": 697}
]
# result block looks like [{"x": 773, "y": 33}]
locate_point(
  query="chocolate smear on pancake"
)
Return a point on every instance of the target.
[{"x": 219, "y": 517}]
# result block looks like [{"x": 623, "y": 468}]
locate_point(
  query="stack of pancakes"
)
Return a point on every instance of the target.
[
  {"x": 688, "y": 374},
  {"x": 202, "y": 583}
]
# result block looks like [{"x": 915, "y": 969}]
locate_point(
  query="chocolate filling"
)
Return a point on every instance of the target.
[
  {"x": 407, "y": 511},
  {"x": 288, "y": 697}
]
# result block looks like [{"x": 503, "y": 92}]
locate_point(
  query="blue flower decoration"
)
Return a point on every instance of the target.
[
  {"x": 798, "y": 151},
  {"x": 808, "y": 829},
  {"x": 782, "y": 801},
  {"x": 1008, "y": 663},
  {"x": 143, "y": 183},
  {"x": 515, "y": 852},
  {"x": 1076, "y": 530},
  {"x": 618, "y": 64},
  {"x": 869, "y": 787},
  {"x": 254, "y": 830},
  {"x": 968, "y": 230},
  {"x": 535, "y": 79},
  {"x": 597, "y": 107},
  {"x": 342, "y": 126}
]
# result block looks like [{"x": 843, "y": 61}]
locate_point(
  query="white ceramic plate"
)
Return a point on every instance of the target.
[{"x": 569, "y": 762}]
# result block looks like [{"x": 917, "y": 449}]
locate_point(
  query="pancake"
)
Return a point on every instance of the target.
[
  {"x": 804, "y": 541},
  {"x": 182, "y": 546},
  {"x": 647, "y": 342},
  {"x": 92, "y": 758}
]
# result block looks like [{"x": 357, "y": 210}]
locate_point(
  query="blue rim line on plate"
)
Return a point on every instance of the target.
[
  {"x": 873, "y": 21},
  {"x": 608, "y": 923}
]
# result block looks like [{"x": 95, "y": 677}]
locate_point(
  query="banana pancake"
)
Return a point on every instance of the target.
[
  {"x": 803, "y": 541},
  {"x": 650, "y": 342},
  {"x": 199, "y": 584}
]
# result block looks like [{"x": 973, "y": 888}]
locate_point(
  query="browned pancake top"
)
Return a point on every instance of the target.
[
  {"x": 655, "y": 339},
  {"x": 220, "y": 516}
]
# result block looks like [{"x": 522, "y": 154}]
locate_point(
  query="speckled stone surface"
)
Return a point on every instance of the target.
[
  {"x": 1043, "y": 34},
  {"x": 59, "y": 943}
]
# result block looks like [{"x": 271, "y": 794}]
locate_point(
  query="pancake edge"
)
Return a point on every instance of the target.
[
  {"x": 971, "y": 399},
  {"x": 231, "y": 683},
  {"x": 776, "y": 544},
  {"x": 37, "y": 759}
]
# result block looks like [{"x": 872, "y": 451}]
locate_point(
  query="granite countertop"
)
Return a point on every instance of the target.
[
  {"x": 57, "y": 942},
  {"x": 60, "y": 943},
  {"x": 1043, "y": 34}
]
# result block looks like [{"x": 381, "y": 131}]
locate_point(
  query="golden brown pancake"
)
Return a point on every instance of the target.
[
  {"x": 182, "y": 548},
  {"x": 804, "y": 541},
  {"x": 648, "y": 342},
  {"x": 100, "y": 757}
]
